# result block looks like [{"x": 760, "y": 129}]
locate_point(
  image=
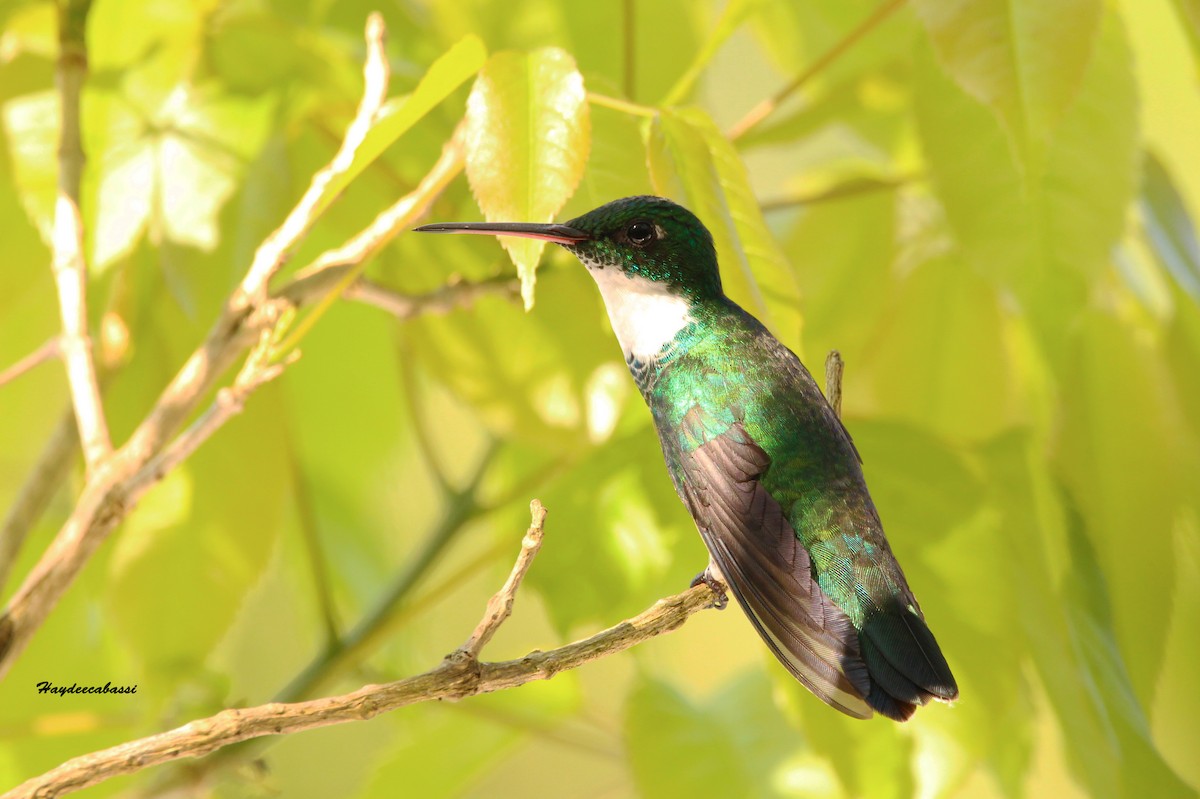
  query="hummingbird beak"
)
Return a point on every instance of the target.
[{"x": 559, "y": 234}]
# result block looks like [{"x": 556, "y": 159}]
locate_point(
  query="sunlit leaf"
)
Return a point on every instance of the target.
[
  {"x": 939, "y": 356},
  {"x": 527, "y": 142},
  {"x": 627, "y": 544},
  {"x": 31, "y": 126},
  {"x": 1123, "y": 451},
  {"x": 692, "y": 162},
  {"x": 1169, "y": 226},
  {"x": 1048, "y": 234},
  {"x": 732, "y": 16},
  {"x": 733, "y": 745},
  {"x": 199, "y": 547},
  {"x": 1011, "y": 56},
  {"x": 399, "y": 114}
]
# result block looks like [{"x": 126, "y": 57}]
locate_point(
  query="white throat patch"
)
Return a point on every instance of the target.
[{"x": 644, "y": 314}]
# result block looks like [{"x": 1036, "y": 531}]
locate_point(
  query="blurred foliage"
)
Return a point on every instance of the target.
[{"x": 993, "y": 222}]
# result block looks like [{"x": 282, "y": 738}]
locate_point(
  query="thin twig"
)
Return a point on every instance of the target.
[
  {"x": 850, "y": 188},
  {"x": 335, "y": 270},
  {"x": 500, "y": 606},
  {"x": 629, "y": 43},
  {"x": 624, "y": 106},
  {"x": 112, "y": 490},
  {"x": 39, "y": 356},
  {"x": 456, "y": 294},
  {"x": 47, "y": 475},
  {"x": 274, "y": 250},
  {"x": 764, "y": 109},
  {"x": 70, "y": 269},
  {"x": 834, "y": 366},
  {"x": 310, "y": 531},
  {"x": 458, "y": 676},
  {"x": 377, "y": 624}
]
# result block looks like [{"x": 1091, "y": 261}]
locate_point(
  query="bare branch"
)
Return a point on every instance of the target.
[
  {"x": 121, "y": 479},
  {"x": 334, "y": 267},
  {"x": 764, "y": 109},
  {"x": 274, "y": 250},
  {"x": 455, "y": 294},
  {"x": 47, "y": 475},
  {"x": 501, "y": 604},
  {"x": 834, "y": 366},
  {"x": 457, "y": 677},
  {"x": 39, "y": 356},
  {"x": 70, "y": 270}
]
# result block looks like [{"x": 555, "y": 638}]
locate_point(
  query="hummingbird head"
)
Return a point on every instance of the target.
[{"x": 648, "y": 240}]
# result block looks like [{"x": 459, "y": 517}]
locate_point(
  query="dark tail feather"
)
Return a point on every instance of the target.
[{"x": 904, "y": 660}]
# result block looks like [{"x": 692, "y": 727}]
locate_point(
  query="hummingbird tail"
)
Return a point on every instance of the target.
[{"x": 905, "y": 663}]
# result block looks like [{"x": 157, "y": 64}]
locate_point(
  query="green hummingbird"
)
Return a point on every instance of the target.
[{"x": 764, "y": 465}]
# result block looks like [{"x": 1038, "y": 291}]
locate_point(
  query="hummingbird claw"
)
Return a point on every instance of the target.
[{"x": 720, "y": 598}]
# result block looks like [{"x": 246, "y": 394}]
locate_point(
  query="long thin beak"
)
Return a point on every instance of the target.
[{"x": 559, "y": 234}]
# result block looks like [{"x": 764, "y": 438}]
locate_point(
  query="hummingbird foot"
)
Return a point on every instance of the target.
[{"x": 720, "y": 597}]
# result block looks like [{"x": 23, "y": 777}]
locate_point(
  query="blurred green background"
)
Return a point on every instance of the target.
[{"x": 986, "y": 207}]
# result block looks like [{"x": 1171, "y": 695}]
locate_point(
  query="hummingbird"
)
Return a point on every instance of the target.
[{"x": 761, "y": 461}]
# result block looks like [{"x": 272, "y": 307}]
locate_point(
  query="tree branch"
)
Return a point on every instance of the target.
[
  {"x": 70, "y": 270},
  {"x": 834, "y": 367},
  {"x": 764, "y": 109},
  {"x": 457, "y": 293},
  {"x": 48, "y": 474},
  {"x": 459, "y": 676},
  {"x": 39, "y": 356},
  {"x": 112, "y": 489}
]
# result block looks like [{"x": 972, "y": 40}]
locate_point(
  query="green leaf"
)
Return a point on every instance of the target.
[
  {"x": 922, "y": 486},
  {"x": 199, "y": 542},
  {"x": 1123, "y": 453},
  {"x": 31, "y": 124},
  {"x": 734, "y": 745},
  {"x": 1046, "y": 236},
  {"x": 632, "y": 541},
  {"x": 795, "y": 35},
  {"x": 168, "y": 168},
  {"x": 732, "y": 16},
  {"x": 1169, "y": 226},
  {"x": 399, "y": 114},
  {"x": 1068, "y": 630},
  {"x": 1189, "y": 15},
  {"x": 939, "y": 356},
  {"x": 1013, "y": 56},
  {"x": 692, "y": 162},
  {"x": 527, "y": 142}
]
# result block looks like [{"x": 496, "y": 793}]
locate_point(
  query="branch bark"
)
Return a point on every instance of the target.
[
  {"x": 459, "y": 676},
  {"x": 122, "y": 478},
  {"x": 70, "y": 269}
]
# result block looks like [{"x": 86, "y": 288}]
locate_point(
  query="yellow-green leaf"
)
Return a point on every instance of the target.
[
  {"x": 692, "y": 161},
  {"x": 399, "y": 114},
  {"x": 1025, "y": 59},
  {"x": 528, "y": 136}
]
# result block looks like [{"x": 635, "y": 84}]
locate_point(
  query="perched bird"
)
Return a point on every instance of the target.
[{"x": 757, "y": 455}]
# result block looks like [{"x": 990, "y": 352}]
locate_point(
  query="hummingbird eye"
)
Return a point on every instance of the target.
[{"x": 641, "y": 233}]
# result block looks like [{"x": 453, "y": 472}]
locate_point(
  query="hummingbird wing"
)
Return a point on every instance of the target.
[
  {"x": 769, "y": 570},
  {"x": 892, "y": 665}
]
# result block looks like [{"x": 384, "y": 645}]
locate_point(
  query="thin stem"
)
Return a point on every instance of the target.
[
  {"x": 834, "y": 367},
  {"x": 69, "y": 266},
  {"x": 47, "y": 475},
  {"x": 454, "y": 679},
  {"x": 39, "y": 356},
  {"x": 629, "y": 41},
  {"x": 850, "y": 188},
  {"x": 764, "y": 109},
  {"x": 373, "y": 628},
  {"x": 624, "y": 106},
  {"x": 420, "y": 430},
  {"x": 310, "y": 530}
]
